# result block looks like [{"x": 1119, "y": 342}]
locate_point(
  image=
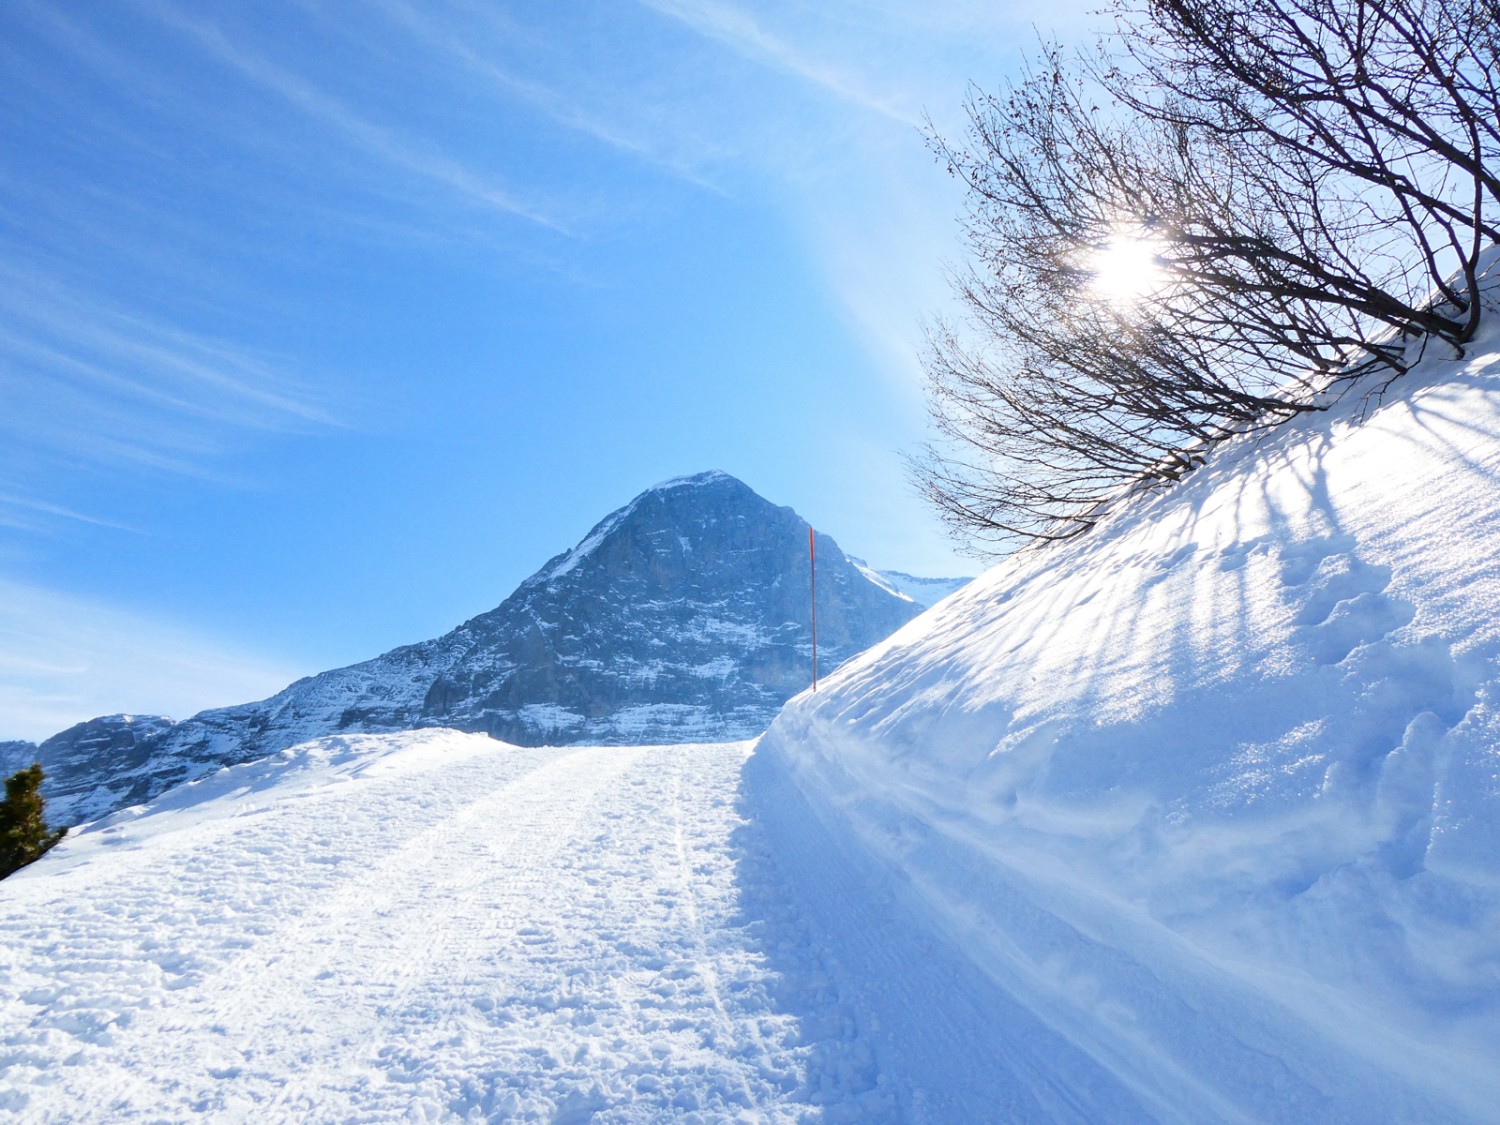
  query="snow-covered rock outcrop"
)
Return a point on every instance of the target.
[
  {"x": 16, "y": 754},
  {"x": 123, "y": 741},
  {"x": 681, "y": 617},
  {"x": 1211, "y": 795}
]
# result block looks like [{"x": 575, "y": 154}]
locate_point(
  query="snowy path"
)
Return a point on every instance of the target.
[{"x": 431, "y": 926}]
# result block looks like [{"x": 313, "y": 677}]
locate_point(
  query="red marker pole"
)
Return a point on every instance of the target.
[{"x": 812, "y": 570}]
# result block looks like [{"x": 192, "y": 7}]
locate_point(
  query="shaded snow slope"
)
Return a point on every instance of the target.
[
  {"x": 1212, "y": 794},
  {"x": 681, "y": 617}
]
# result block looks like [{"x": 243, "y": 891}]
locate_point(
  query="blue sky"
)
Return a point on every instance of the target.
[{"x": 323, "y": 325}]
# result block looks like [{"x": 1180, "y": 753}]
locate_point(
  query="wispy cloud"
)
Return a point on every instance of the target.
[
  {"x": 158, "y": 118},
  {"x": 745, "y": 36},
  {"x": 90, "y": 382},
  {"x": 21, "y": 513},
  {"x": 64, "y": 659},
  {"x": 380, "y": 141},
  {"x": 546, "y": 99}
]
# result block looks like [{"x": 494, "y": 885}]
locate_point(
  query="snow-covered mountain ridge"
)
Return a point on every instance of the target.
[
  {"x": 681, "y": 617},
  {"x": 1213, "y": 792},
  {"x": 926, "y": 592},
  {"x": 122, "y": 741}
]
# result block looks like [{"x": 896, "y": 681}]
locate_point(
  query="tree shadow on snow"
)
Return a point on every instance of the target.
[{"x": 895, "y": 1023}]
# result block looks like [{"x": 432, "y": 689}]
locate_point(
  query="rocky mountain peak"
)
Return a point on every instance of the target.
[
  {"x": 681, "y": 617},
  {"x": 671, "y": 517}
]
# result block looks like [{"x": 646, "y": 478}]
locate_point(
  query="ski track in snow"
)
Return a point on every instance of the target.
[{"x": 510, "y": 934}]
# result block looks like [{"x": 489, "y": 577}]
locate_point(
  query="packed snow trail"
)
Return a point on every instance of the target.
[{"x": 427, "y": 926}]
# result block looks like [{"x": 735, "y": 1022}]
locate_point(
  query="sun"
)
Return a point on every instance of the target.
[{"x": 1127, "y": 268}]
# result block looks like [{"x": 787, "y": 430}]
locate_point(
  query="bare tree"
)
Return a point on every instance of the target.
[{"x": 1306, "y": 187}]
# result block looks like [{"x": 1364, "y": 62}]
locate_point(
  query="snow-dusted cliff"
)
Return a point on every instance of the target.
[{"x": 682, "y": 617}]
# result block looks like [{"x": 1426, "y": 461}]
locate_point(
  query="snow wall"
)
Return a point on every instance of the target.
[{"x": 1206, "y": 802}]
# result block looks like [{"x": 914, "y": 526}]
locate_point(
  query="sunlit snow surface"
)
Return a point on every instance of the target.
[
  {"x": 1214, "y": 792},
  {"x": 423, "y": 926}
]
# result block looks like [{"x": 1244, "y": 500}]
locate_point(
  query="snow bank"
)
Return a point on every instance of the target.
[{"x": 1213, "y": 793}]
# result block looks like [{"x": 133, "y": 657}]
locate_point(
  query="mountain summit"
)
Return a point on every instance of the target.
[{"x": 681, "y": 617}]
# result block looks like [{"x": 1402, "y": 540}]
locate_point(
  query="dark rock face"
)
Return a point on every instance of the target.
[
  {"x": 681, "y": 617},
  {"x": 16, "y": 755},
  {"x": 86, "y": 764}
]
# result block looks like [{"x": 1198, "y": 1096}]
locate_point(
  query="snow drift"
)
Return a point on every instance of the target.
[{"x": 1213, "y": 793}]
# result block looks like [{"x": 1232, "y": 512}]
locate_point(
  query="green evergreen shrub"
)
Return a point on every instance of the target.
[{"x": 24, "y": 835}]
